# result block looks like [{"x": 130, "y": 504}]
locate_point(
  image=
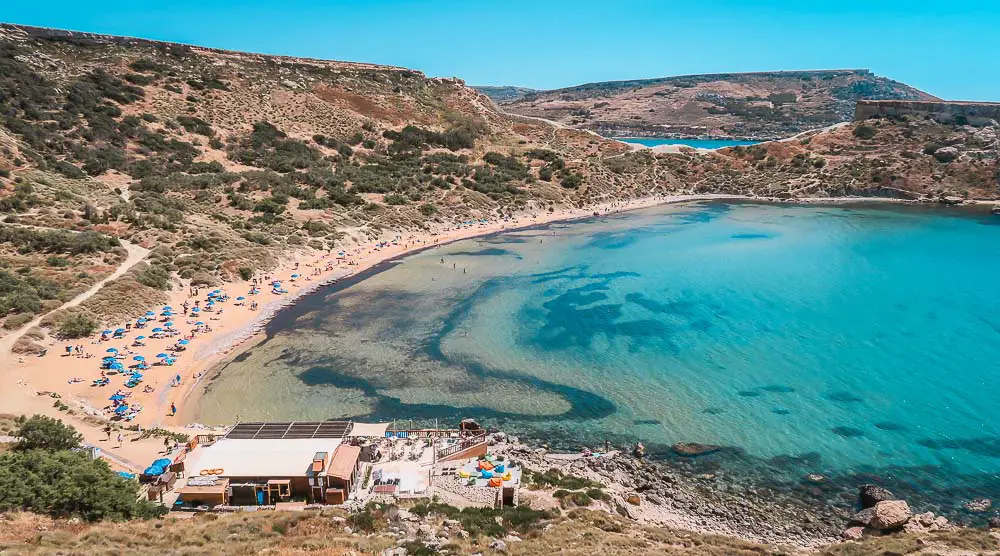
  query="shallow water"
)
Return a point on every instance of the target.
[
  {"x": 850, "y": 341},
  {"x": 696, "y": 143}
]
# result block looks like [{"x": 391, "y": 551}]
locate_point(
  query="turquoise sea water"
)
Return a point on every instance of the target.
[
  {"x": 696, "y": 143},
  {"x": 858, "y": 342}
]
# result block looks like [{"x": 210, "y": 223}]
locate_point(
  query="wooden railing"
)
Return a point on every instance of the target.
[{"x": 462, "y": 444}]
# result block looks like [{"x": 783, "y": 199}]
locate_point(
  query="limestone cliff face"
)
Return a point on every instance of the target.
[{"x": 973, "y": 113}]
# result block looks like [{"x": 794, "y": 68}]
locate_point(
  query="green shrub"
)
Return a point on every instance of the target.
[
  {"x": 76, "y": 326},
  {"x": 68, "y": 484},
  {"x": 154, "y": 277},
  {"x": 45, "y": 433},
  {"x": 864, "y": 131}
]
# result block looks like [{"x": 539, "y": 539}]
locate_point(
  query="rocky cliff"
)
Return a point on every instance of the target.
[{"x": 973, "y": 113}]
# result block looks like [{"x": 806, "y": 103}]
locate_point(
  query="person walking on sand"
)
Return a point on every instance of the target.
[
  {"x": 119, "y": 439},
  {"x": 173, "y": 409},
  {"x": 107, "y": 431},
  {"x": 166, "y": 444}
]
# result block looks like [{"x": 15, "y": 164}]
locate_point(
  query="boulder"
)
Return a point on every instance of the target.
[
  {"x": 979, "y": 505},
  {"x": 425, "y": 531},
  {"x": 654, "y": 499},
  {"x": 873, "y": 494},
  {"x": 634, "y": 499},
  {"x": 691, "y": 449},
  {"x": 986, "y": 135},
  {"x": 864, "y": 517},
  {"x": 853, "y": 533},
  {"x": 890, "y": 514},
  {"x": 994, "y": 522},
  {"x": 946, "y": 154},
  {"x": 498, "y": 545}
]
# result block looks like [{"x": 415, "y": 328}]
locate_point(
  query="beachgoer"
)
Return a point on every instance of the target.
[
  {"x": 119, "y": 439},
  {"x": 107, "y": 431},
  {"x": 173, "y": 409},
  {"x": 166, "y": 444}
]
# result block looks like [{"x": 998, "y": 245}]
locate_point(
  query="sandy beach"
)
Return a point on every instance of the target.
[{"x": 33, "y": 384}]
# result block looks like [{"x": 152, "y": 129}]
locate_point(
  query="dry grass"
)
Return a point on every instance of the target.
[{"x": 583, "y": 532}]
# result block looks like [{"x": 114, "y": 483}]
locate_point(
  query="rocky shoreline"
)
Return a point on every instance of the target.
[{"x": 664, "y": 494}]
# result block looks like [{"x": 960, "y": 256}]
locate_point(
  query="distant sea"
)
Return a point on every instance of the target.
[
  {"x": 696, "y": 143},
  {"x": 858, "y": 342}
]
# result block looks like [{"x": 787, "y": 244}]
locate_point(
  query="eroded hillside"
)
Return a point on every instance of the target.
[{"x": 765, "y": 105}]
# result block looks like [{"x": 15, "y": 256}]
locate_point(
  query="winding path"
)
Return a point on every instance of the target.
[{"x": 135, "y": 255}]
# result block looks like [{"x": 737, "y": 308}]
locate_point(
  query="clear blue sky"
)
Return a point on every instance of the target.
[{"x": 948, "y": 48}]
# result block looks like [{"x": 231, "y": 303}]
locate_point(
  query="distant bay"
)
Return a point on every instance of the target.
[{"x": 696, "y": 143}]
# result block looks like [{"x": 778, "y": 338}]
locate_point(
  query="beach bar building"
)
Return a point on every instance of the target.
[{"x": 268, "y": 463}]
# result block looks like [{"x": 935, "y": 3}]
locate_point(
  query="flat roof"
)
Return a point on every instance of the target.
[
  {"x": 267, "y": 458},
  {"x": 293, "y": 429}
]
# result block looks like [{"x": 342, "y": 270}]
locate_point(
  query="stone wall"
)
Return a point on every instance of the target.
[{"x": 974, "y": 113}]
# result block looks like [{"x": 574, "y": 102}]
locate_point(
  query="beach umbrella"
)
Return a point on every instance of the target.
[
  {"x": 199, "y": 323},
  {"x": 116, "y": 397},
  {"x": 138, "y": 358},
  {"x": 240, "y": 298},
  {"x": 119, "y": 330},
  {"x": 183, "y": 342},
  {"x": 141, "y": 320},
  {"x": 157, "y": 329},
  {"x": 166, "y": 314},
  {"x": 140, "y": 337},
  {"x": 106, "y": 332},
  {"x": 295, "y": 275},
  {"x": 168, "y": 308},
  {"x": 112, "y": 350},
  {"x": 168, "y": 323},
  {"x": 195, "y": 310},
  {"x": 117, "y": 366},
  {"x": 121, "y": 409},
  {"x": 150, "y": 313},
  {"x": 162, "y": 355}
]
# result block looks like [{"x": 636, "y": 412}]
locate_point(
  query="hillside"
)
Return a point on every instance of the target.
[
  {"x": 223, "y": 163},
  {"x": 765, "y": 105},
  {"x": 381, "y": 529}
]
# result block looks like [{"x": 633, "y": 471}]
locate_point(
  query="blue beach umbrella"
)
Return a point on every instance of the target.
[
  {"x": 157, "y": 329},
  {"x": 140, "y": 337},
  {"x": 106, "y": 332},
  {"x": 168, "y": 323},
  {"x": 112, "y": 350},
  {"x": 119, "y": 330},
  {"x": 117, "y": 366},
  {"x": 183, "y": 342},
  {"x": 199, "y": 323},
  {"x": 240, "y": 298},
  {"x": 150, "y": 314},
  {"x": 295, "y": 275},
  {"x": 168, "y": 308},
  {"x": 121, "y": 409},
  {"x": 116, "y": 397},
  {"x": 195, "y": 310},
  {"x": 162, "y": 355},
  {"x": 141, "y": 320},
  {"x": 138, "y": 358}
]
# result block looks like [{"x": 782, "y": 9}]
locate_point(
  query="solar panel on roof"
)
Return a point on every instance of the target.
[{"x": 294, "y": 429}]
